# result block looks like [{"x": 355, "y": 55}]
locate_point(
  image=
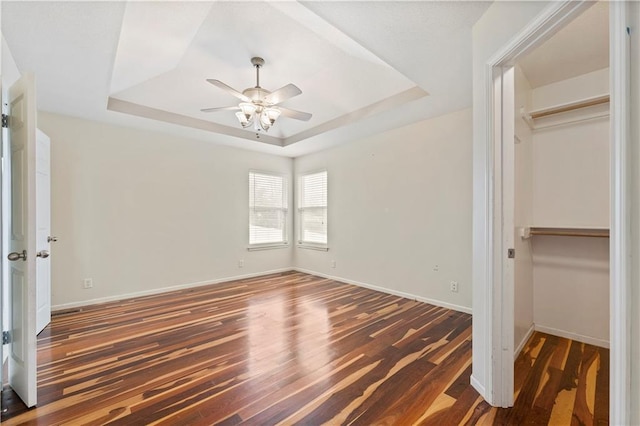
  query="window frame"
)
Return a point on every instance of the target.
[
  {"x": 285, "y": 211},
  {"x": 311, "y": 244}
]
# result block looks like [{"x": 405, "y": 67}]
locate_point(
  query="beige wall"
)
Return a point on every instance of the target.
[
  {"x": 571, "y": 287},
  {"x": 400, "y": 210},
  {"x": 139, "y": 211},
  {"x": 571, "y": 169},
  {"x": 571, "y": 161}
]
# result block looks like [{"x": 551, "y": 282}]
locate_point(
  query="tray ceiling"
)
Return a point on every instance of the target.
[{"x": 363, "y": 67}]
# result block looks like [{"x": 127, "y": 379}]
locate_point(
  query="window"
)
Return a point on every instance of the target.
[
  {"x": 267, "y": 210},
  {"x": 312, "y": 206}
]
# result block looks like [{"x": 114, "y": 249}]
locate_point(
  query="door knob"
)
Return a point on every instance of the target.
[
  {"x": 43, "y": 254},
  {"x": 51, "y": 239},
  {"x": 17, "y": 256}
]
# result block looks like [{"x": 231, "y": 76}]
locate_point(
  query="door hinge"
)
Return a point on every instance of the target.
[
  {"x": 511, "y": 253},
  {"x": 6, "y": 337},
  {"x": 5, "y": 121}
]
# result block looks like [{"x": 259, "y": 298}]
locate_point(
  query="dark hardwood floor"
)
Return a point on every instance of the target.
[{"x": 292, "y": 348}]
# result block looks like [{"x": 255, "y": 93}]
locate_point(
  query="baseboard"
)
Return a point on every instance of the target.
[
  {"x": 389, "y": 291},
  {"x": 573, "y": 336},
  {"x": 524, "y": 341},
  {"x": 478, "y": 387},
  {"x": 163, "y": 290},
  {"x": 95, "y": 301}
]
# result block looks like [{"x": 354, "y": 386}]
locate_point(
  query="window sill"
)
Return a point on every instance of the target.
[
  {"x": 267, "y": 247},
  {"x": 312, "y": 247}
]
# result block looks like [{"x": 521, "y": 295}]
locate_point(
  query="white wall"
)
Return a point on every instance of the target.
[
  {"x": 571, "y": 171},
  {"x": 400, "y": 210},
  {"x": 571, "y": 161},
  {"x": 499, "y": 24},
  {"x": 581, "y": 87},
  {"x": 139, "y": 211},
  {"x": 523, "y": 215},
  {"x": 571, "y": 287}
]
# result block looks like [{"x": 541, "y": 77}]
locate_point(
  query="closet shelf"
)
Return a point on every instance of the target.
[{"x": 571, "y": 232}]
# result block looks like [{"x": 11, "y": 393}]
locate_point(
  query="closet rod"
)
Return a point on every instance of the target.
[
  {"x": 597, "y": 100},
  {"x": 571, "y": 232}
]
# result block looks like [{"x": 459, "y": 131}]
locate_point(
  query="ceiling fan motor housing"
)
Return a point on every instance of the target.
[{"x": 256, "y": 94}]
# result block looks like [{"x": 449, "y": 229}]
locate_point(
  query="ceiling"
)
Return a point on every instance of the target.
[
  {"x": 579, "y": 48},
  {"x": 363, "y": 67}
]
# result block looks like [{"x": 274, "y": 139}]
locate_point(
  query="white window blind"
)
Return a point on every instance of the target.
[
  {"x": 267, "y": 209},
  {"x": 312, "y": 209}
]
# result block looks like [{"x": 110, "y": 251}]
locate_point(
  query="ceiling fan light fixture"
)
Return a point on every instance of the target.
[
  {"x": 248, "y": 109},
  {"x": 268, "y": 117},
  {"x": 242, "y": 118}
]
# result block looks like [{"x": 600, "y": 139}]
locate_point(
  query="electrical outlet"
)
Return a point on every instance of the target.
[
  {"x": 333, "y": 263},
  {"x": 87, "y": 283},
  {"x": 241, "y": 263},
  {"x": 453, "y": 286}
]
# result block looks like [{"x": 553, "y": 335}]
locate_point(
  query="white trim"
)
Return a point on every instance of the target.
[
  {"x": 267, "y": 246},
  {"x": 524, "y": 341},
  {"x": 573, "y": 336},
  {"x": 164, "y": 290},
  {"x": 477, "y": 385},
  {"x": 388, "y": 291},
  {"x": 619, "y": 238},
  {"x": 539, "y": 30},
  {"x": 312, "y": 247},
  {"x": 253, "y": 275}
]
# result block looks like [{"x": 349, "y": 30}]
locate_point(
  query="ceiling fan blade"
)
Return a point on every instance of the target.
[
  {"x": 282, "y": 94},
  {"x": 292, "y": 113},
  {"x": 229, "y": 89},
  {"x": 229, "y": 108}
]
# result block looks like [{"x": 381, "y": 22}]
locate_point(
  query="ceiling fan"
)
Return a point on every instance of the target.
[{"x": 259, "y": 106}]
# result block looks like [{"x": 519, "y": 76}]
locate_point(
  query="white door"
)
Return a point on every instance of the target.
[
  {"x": 2, "y": 308},
  {"x": 508, "y": 231},
  {"x": 22, "y": 240},
  {"x": 43, "y": 235}
]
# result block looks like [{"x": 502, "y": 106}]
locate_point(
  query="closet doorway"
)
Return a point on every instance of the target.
[
  {"x": 500, "y": 195},
  {"x": 560, "y": 218}
]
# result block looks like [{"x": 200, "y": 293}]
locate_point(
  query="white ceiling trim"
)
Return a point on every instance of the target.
[
  {"x": 183, "y": 120},
  {"x": 391, "y": 102},
  {"x": 378, "y": 107}
]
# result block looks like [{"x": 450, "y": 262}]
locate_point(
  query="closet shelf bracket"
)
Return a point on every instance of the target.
[{"x": 527, "y": 118}]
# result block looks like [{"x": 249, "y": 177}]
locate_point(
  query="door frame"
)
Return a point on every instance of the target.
[{"x": 492, "y": 291}]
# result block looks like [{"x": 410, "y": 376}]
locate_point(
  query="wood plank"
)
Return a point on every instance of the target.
[{"x": 287, "y": 348}]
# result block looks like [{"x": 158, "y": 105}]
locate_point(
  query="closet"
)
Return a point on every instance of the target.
[{"x": 562, "y": 190}]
